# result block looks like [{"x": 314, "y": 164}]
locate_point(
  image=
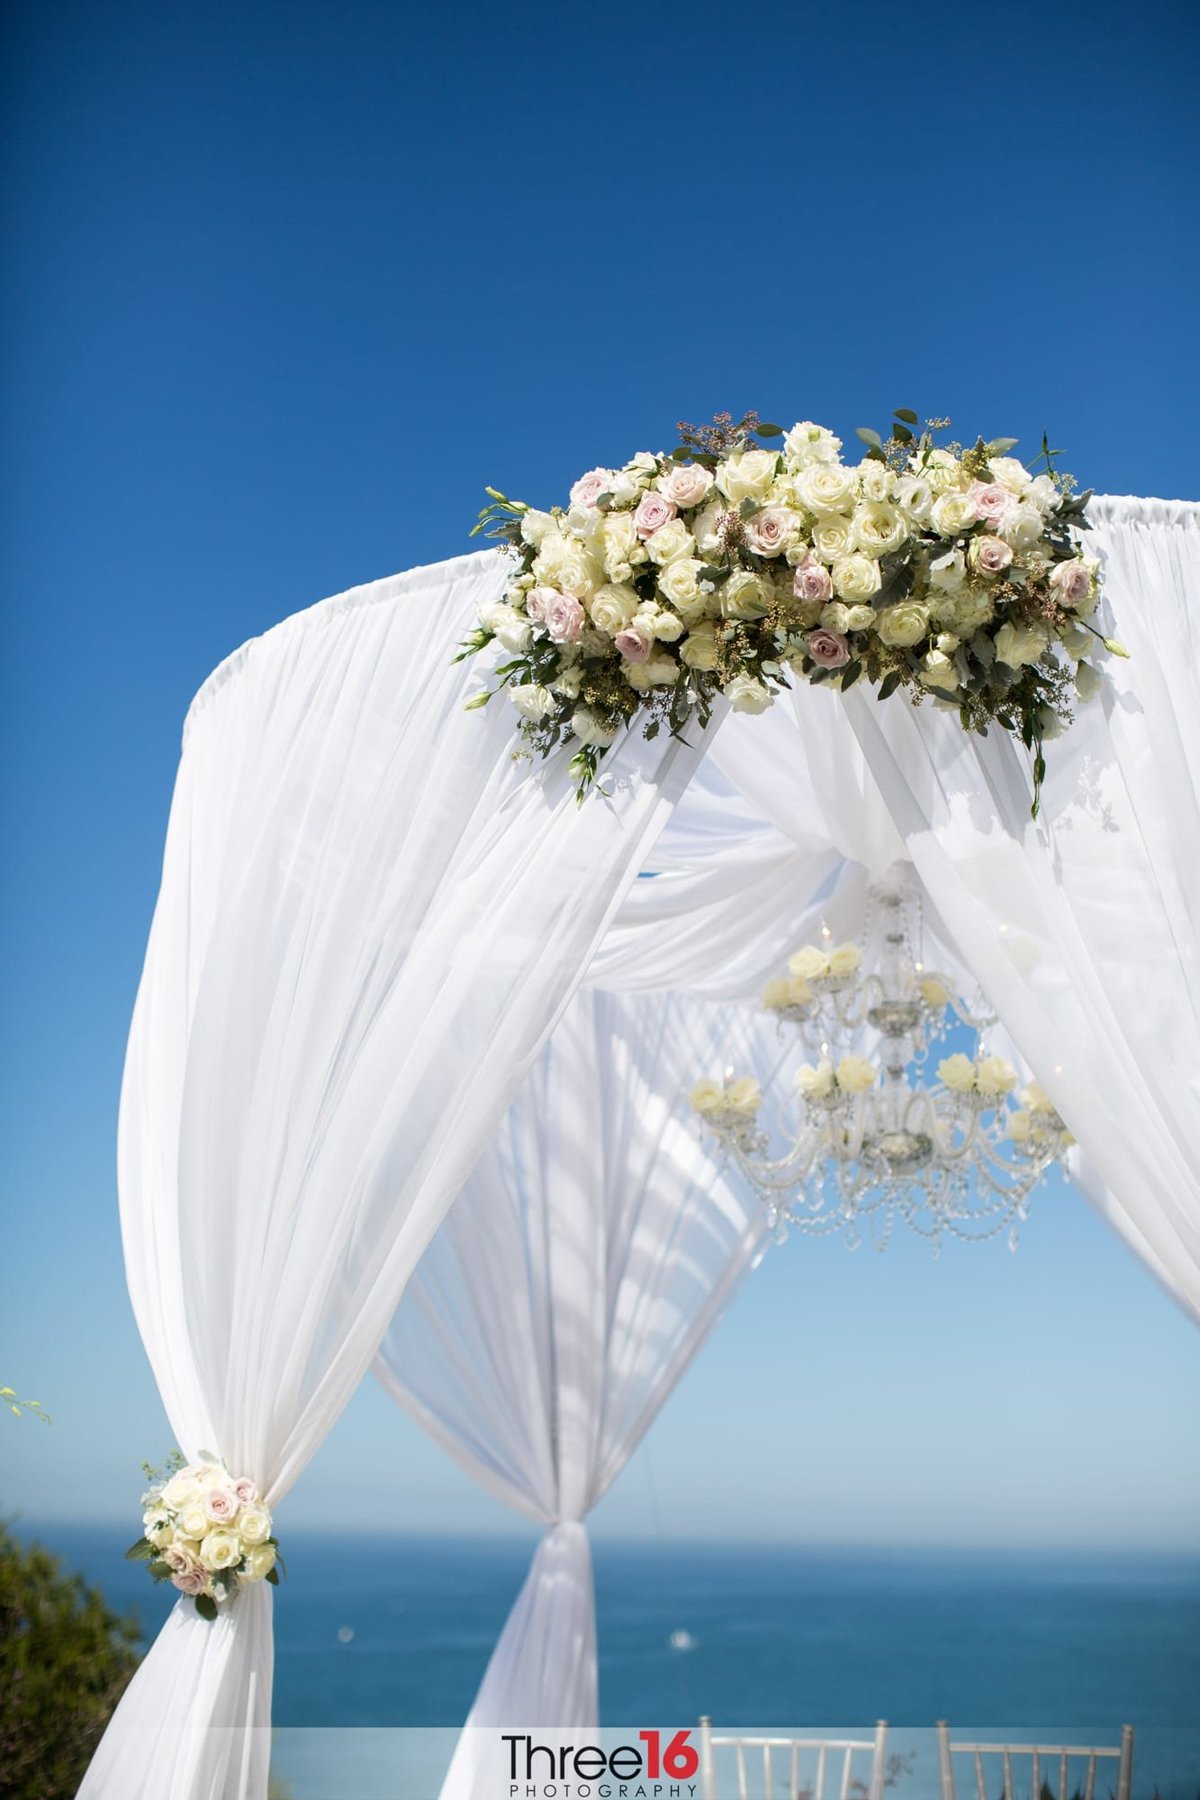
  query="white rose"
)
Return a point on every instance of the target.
[
  {"x": 952, "y": 513},
  {"x": 747, "y": 695},
  {"x": 1043, "y": 493},
  {"x": 827, "y": 488},
  {"x": 220, "y": 1550},
  {"x": 815, "y": 1083},
  {"x": 994, "y": 1076},
  {"x": 1010, "y": 472},
  {"x": 836, "y": 617},
  {"x": 707, "y": 1097},
  {"x": 938, "y": 671},
  {"x": 855, "y": 1075},
  {"x": 1017, "y": 645},
  {"x": 670, "y": 541},
  {"x": 588, "y": 728},
  {"x": 259, "y": 1563},
  {"x": 619, "y": 546},
  {"x": 707, "y": 525},
  {"x": 878, "y": 529},
  {"x": 833, "y": 538},
  {"x": 957, "y": 1073},
  {"x": 656, "y": 671},
  {"x": 844, "y": 959},
  {"x": 531, "y": 700},
  {"x": 699, "y": 648},
  {"x": 612, "y": 607},
  {"x": 182, "y": 1487},
  {"x": 807, "y": 443},
  {"x": 679, "y": 582},
  {"x": 902, "y": 625},
  {"x": 666, "y": 626},
  {"x": 253, "y": 1526},
  {"x": 809, "y": 962},
  {"x": 745, "y": 596},
  {"x": 856, "y": 577},
  {"x": 875, "y": 480},
  {"x": 510, "y": 627},
  {"x": 1023, "y": 526},
  {"x": 192, "y": 1519},
  {"x": 942, "y": 471},
  {"x": 747, "y": 475},
  {"x": 859, "y": 618},
  {"x": 568, "y": 683},
  {"x": 535, "y": 525},
  {"x": 686, "y": 486},
  {"x": 743, "y": 1096}
]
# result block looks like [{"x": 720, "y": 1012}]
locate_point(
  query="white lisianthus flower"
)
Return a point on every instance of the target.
[
  {"x": 1077, "y": 642},
  {"x": 656, "y": 671},
  {"x": 1010, "y": 472},
  {"x": 855, "y": 1075},
  {"x": 747, "y": 475},
  {"x": 815, "y": 1083},
  {"x": 253, "y": 1526},
  {"x": 875, "y": 480},
  {"x": 878, "y": 528},
  {"x": 1043, "y": 493},
  {"x": 806, "y": 444},
  {"x": 994, "y": 1076},
  {"x": 1018, "y": 645},
  {"x": 532, "y": 700},
  {"x": 748, "y": 695},
  {"x": 957, "y": 1072},
  {"x": 699, "y": 648},
  {"x": 535, "y": 525},
  {"x": 1088, "y": 680},
  {"x": 914, "y": 496},
  {"x": 827, "y": 488},
  {"x": 613, "y": 606},
  {"x": 948, "y": 572},
  {"x": 259, "y": 1563},
  {"x": 670, "y": 541},
  {"x": 903, "y": 624},
  {"x": 745, "y": 595},
  {"x": 856, "y": 577},
  {"x": 707, "y": 526},
  {"x": 589, "y": 729},
  {"x": 938, "y": 671},
  {"x": 1023, "y": 526},
  {"x": 952, "y": 513},
  {"x": 568, "y": 682},
  {"x": 510, "y": 627},
  {"x": 220, "y": 1550}
]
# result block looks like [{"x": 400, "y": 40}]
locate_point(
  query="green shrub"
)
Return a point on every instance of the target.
[{"x": 65, "y": 1659}]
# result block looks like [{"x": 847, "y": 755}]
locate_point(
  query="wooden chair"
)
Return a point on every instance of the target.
[
  {"x": 1055, "y": 1763},
  {"x": 796, "y": 1766}
]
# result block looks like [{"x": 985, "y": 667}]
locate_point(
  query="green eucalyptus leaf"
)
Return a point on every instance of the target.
[
  {"x": 889, "y": 684},
  {"x": 869, "y": 437},
  {"x": 769, "y": 430},
  {"x": 907, "y": 414}
]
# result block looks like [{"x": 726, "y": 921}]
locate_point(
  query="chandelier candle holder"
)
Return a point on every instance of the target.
[{"x": 875, "y": 1138}]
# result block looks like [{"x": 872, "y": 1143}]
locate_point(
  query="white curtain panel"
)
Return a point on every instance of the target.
[
  {"x": 1082, "y": 926},
  {"x": 369, "y": 918},
  {"x": 572, "y": 1283}
]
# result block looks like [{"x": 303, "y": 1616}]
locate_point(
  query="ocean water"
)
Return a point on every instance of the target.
[{"x": 396, "y": 1633}]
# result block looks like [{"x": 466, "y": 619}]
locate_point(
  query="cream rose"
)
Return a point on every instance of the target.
[
  {"x": 1010, "y": 472},
  {"x": 952, "y": 513},
  {"x": 679, "y": 583},
  {"x": 254, "y": 1526},
  {"x": 745, "y": 596},
  {"x": 747, "y": 475},
  {"x": 613, "y": 606},
  {"x": 220, "y": 1550},
  {"x": 938, "y": 671},
  {"x": 995, "y": 1076},
  {"x": 745, "y": 694},
  {"x": 707, "y": 1097},
  {"x": 815, "y": 1083},
  {"x": 1018, "y": 645},
  {"x": 855, "y": 1075},
  {"x": 856, "y": 577},
  {"x": 957, "y": 1073},
  {"x": 259, "y": 1563},
  {"x": 619, "y": 546},
  {"x": 192, "y": 1519},
  {"x": 672, "y": 540},
  {"x": 743, "y": 1096},
  {"x": 833, "y": 538},
  {"x": 708, "y": 526},
  {"x": 532, "y": 700},
  {"x": 903, "y": 624},
  {"x": 655, "y": 671},
  {"x": 827, "y": 488},
  {"x": 699, "y": 648},
  {"x": 844, "y": 959},
  {"x": 878, "y": 529},
  {"x": 809, "y": 962}
]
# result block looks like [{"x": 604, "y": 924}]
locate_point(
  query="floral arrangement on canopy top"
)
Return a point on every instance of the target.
[{"x": 735, "y": 563}]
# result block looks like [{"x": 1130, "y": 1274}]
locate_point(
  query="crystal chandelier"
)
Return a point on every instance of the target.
[{"x": 874, "y": 1138}]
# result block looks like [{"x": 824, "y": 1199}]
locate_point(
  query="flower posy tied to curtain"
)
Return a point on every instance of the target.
[
  {"x": 733, "y": 564},
  {"x": 206, "y": 1532}
]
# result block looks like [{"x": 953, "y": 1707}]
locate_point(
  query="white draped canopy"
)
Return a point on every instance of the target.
[{"x": 372, "y": 920}]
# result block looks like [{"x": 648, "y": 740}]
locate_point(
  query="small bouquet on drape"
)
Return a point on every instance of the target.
[
  {"x": 206, "y": 1532},
  {"x": 736, "y": 563}
]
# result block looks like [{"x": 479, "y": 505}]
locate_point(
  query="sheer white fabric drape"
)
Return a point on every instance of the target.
[
  {"x": 369, "y": 918},
  {"x": 573, "y": 1281}
]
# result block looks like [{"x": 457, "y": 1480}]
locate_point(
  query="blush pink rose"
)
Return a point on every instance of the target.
[
  {"x": 653, "y": 512},
  {"x": 992, "y": 555},
  {"x": 634, "y": 644},
  {"x": 992, "y": 502},
  {"x": 178, "y": 1560},
  {"x": 828, "y": 649},
  {"x": 769, "y": 530},
  {"x": 812, "y": 581},
  {"x": 688, "y": 485},
  {"x": 191, "y": 1581},
  {"x": 221, "y": 1504},
  {"x": 246, "y": 1491},
  {"x": 589, "y": 487},
  {"x": 1072, "y": 581},
  {"x": 537, "y": 600},
  {"x": 564, "y": 619}
]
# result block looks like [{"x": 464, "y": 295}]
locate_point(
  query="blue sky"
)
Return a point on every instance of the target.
[{"x": 285, "y": 287}]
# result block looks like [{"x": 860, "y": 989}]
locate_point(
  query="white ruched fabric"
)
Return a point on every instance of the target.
[
  {"x": 369, "y": 918},
  {"x": 572, "y": 1283}
]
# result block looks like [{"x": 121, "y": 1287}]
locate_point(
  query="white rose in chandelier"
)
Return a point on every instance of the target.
[
  {"x": 957, "y": 1073},
  {"x": 707, "y": 1097},
  {"x": 994, "y": 1076},
  {"x": 934, "y": 992},
  {"x": 844, "y": 960},
  {"x": 815, "y": 1083},
  {"x": 809, "y": 962},
  {"x": 743, "y": 1096},
  {"x": 855, "y": 1075},
  {"x": 747, "y": 475}
]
